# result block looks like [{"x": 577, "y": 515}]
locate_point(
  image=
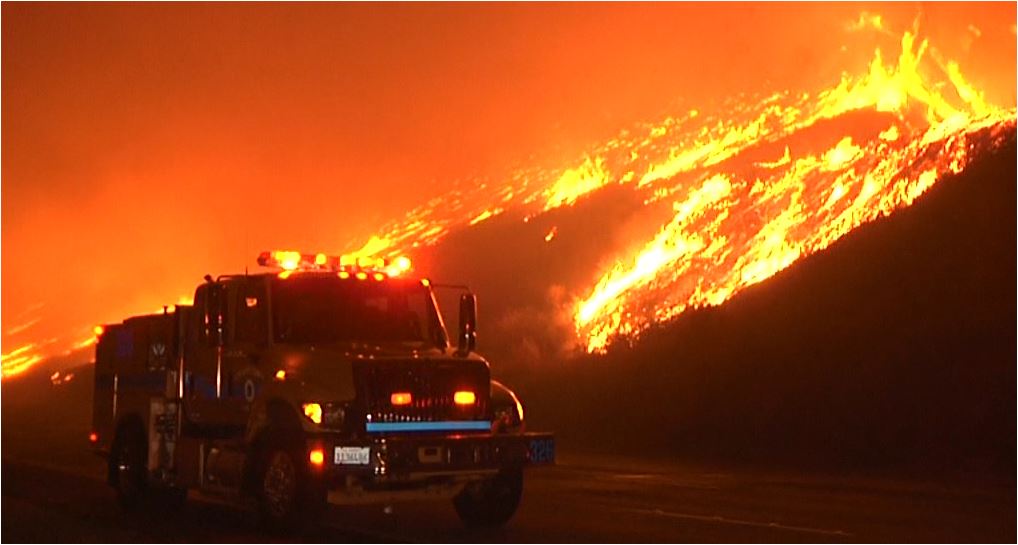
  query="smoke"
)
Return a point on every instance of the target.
[{"x": 534, "y": 336}]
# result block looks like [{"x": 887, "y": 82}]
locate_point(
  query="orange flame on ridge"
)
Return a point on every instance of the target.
[
  {"x": 734, "y": 224},
  {"x": 752, "y": 228}
]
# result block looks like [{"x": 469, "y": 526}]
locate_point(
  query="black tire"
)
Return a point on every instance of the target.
[
  {"x": 173, "y": 499},
  {"x": 287, "y": 499},
  {"x": 128, "y": 469},
  {"x": 490, "y": 503}
]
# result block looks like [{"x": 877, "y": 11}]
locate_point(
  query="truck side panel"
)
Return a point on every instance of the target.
[{"x": 134, "y": 363}]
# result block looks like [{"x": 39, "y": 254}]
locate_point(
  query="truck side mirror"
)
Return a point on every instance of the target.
[
  {"x": 468, "y": 323},
  {"x": 215, "y": 311}
]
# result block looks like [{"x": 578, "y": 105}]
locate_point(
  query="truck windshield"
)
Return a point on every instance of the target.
[{"x": 325, "y": 309}]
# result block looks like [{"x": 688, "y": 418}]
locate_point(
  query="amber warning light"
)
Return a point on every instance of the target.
[
  {"x": 313, "y": 411},
  {"x": 289, "y": 260},
  {"x": 400, "y": 398}
]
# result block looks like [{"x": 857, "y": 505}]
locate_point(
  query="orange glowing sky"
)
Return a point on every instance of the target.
[{"x": 145, "y": 145}]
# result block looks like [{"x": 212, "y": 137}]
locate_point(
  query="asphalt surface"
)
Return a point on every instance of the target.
[{"x": 586, "y": 499}]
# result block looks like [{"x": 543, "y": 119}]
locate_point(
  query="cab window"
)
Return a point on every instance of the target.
[{"x": 251, "y": 314}]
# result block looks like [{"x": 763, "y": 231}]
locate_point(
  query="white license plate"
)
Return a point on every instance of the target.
[{"x": 353, "y": 456}]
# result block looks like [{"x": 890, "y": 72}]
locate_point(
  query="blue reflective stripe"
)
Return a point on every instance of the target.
[{"x": 449, "y": 425}]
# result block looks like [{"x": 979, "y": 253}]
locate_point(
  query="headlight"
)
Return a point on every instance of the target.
[
  {"x": 313, "y": 411},
  {"x": 328, "y": 415}
]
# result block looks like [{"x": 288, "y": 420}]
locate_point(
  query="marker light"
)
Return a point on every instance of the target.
[
  {"x": 362, "y": 275},
  {"x": 344, "y": 275},
  {"x": 313, "y": 411},
  {"x": 287, "y": 260},
  {"x": 379, "y": 277},
  {"x": 280, "y": 375},
  {"x": 464, "y": 397},
  {"x": 316, "y": 457},
  {"x": 93, "y": 437},
  {"x": 98, "y": 330},
  {"x": 401, "y": 398}
]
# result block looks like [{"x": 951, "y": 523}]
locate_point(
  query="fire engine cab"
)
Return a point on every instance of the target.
[{"x": 322, "y": 380}]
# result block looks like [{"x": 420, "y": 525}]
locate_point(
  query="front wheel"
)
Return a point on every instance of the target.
[
  {"x": 492, "y": 502},
  {"x": 286, "y": 498}
]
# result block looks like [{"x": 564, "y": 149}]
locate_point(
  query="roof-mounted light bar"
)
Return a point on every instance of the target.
[{"x": 289, "y": 260}]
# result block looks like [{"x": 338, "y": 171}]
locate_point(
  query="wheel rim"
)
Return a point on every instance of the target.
[{"x": 280, "y": 485}]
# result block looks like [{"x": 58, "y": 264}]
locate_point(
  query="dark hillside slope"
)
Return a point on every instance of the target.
[{"x": 892, "y": 349}]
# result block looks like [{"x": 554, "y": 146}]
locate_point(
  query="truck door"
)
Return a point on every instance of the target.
[
  {"x": 203, "y": 359},
  {"x": 247, "y": 337}
]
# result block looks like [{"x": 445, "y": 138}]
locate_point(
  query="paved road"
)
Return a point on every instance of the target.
[{"x": 583, "y": 499}]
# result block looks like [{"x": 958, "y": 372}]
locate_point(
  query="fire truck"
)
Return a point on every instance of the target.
[{"x": 318, "y": 380}]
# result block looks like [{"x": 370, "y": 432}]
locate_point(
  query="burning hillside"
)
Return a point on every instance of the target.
[
  {"x": 704, "y": 203},
  {"x": 744, "y": 191}
]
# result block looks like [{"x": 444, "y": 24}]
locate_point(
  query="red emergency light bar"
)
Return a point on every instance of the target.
[{"x": 289, "y": 260}]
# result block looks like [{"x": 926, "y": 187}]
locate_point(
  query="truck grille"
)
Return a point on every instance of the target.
[{"x": 432, "y": 385}]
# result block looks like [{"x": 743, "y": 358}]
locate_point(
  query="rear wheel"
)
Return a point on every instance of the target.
[
  {"x": 128, "y": 469},
  {"x": 173, "y": 499},
  {"x": 492, "y": 502}
]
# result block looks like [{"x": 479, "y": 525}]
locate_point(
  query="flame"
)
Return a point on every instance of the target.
[
  {"x": 576, "y": 182},
  {"x": 551, "y": 234},
  {"x": 22, "y": 327},
  {"x": 735, "y": 224},
  {"x": 20, "y": 359},
  {"x": 713, "y": 248}
]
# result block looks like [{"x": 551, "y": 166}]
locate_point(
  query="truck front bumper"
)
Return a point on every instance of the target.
[{"x": 406, "y": 457}]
